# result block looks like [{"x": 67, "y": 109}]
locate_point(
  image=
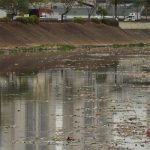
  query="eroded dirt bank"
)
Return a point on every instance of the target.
[{"x": 16, "y": 34}]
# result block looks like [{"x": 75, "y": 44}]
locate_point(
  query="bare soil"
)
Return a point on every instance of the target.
[{"x": 17, "y": 34}]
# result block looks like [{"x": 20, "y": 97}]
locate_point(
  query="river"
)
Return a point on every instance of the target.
[{"x": 70, "y": 109}]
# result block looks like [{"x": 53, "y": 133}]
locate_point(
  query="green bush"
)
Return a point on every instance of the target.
[
  {"x": 110, "y": 21},
  {"x": 136, "y": 45},
  {"x": 5, "y": 19},
  {"x": 28, "y": 20},
  {"x": 33, "y": 19},
  {"x": 95, "y": 20},
  {"x": 78, "y": 20},
  {"x": 128, "y": 45},
  {"x": 65, "y": 47},
  {"x": 22, "y": 19}
]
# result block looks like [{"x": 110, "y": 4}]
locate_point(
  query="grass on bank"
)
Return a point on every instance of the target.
[
  {"x": 57, "y": 48},
  {"x": 63, "y": 48},
  {"x": 131, "y": 45}
]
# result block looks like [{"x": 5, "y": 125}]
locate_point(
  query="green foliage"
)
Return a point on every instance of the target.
[
  {"x": 33, "y": 19},
  {"x": 5, "y": 19},
  {"x": 65, "y": 47},
  {"x": 80, "y": 2},
  {"x": 28, "y": 20},
  {"x": 23, "y": 6},
  {"x": 78, "y": 20},
  {"x": 129, "y": 45},
  {"x": 138, "y": 3},
  {"x": 22, "y": 19},
  {"x": 147, "y": 2},
  {"x": 101, "y": 11},
  {"x": 14, "y": 6},
  {"x": 136, "y": 45},
  {"x": 116, "y": 1}
]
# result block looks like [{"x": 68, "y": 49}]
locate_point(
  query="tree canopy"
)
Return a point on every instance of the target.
[
  {"x": 138, "y": 3},
  {"x": 17, "y": 5},
  {"x": 101, "y": 11}
]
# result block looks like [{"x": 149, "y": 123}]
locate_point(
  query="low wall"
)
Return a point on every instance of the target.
[{"x": 134, "y": 25}]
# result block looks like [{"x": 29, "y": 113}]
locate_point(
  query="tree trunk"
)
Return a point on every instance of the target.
[
  {"x": 137, "y": 11},
  {"x": 89, "y": 17},
  {"x": 146, "y": 13},
  {"x": 115, "y": 8},
  {"x": 62, "y": 18}
]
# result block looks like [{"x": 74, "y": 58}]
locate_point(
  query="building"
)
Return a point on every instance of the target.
[{"x": 2, "y": 13}]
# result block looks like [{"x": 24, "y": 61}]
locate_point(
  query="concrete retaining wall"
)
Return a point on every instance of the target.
[{"x": 134, "y": 25}]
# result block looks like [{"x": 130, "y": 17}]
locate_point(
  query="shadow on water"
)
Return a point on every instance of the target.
[{"x": 68, "y": 109}]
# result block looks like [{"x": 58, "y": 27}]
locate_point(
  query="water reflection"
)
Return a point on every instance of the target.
[{"x": 97, "y": 109}]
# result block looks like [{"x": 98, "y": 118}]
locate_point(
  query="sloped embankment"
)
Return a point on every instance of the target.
[{"x": 15, "y": 34}]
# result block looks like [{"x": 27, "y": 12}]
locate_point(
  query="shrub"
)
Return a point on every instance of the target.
[
  {"x": 22, "y": 19},
  {"x": 33, "y": 19},
  {"x": 136, "y": 45},
  {"x": 28, "y": 20},
  {"x": 95, "y": 20},
  {"x": 128, "y": 45},
  {"x": 5, "y": 19},
  {"x": 110, "y": 21},
  {"x": 78, "y": 20},
  {"x": 140, "y": 44},
  {"x": 101, "y": 11}
]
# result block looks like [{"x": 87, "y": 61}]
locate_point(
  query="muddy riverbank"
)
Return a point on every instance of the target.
[
  {"x": 74, "y": 97},
  {"x": 79, "y": 58},
  {"x": 17, "y": 34},
  {"x": 98, "y": 100}
]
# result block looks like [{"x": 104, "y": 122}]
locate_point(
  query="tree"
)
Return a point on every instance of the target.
[
  {"x": 101, "y": 11},
  {"x": 67, "y": 5},
  {"x": 115, "y": 2},
  {"x": 90, "y": 7},
  {"x": 147, "y": 7},
  {"x": 14, "y": 6},
  {"x": 138, "y": 4}
]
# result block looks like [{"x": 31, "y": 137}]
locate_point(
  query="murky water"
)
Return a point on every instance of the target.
[{"x": 67, "y": 109}]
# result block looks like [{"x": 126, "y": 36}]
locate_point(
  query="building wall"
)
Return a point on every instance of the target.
[{"x": 2, "y": 13}]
